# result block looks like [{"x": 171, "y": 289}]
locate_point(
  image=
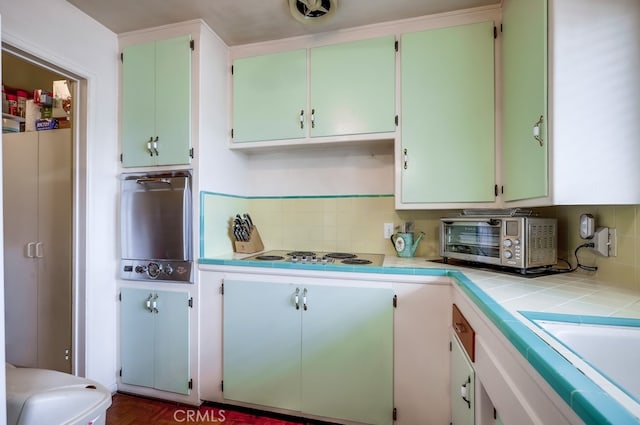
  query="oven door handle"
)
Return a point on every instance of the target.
[
  {"x": 490, "y": 222},
  {"x": 147, "y": 180}
]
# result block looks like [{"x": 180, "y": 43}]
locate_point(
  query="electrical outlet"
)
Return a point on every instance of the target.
[
  {"x": 605, "y": 242},
  {"x": 388, "y": 230}
]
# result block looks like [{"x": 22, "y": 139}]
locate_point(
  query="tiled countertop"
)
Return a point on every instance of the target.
[{"x": 501, "y": 297}]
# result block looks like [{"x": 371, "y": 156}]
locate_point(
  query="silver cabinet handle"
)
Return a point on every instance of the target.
[
  {"x": 304, "y": 299},
  {"x": 464, "y": 392},
  {"x": 302, "y": 118},
  {"x": 406, "y": 158},
  {"x": 536, "y": 131},
  {"x": 30, "y": 249},
  {"x": 148, "y": 303},
  {"x": 149, "y": 146},
  {"x": 39, "y": 250},
  {"x": 297, "y": 298},
  {"x": 313, "y": 118},
  {"x": 155, "y": 146},
  {"x": 154, "y": 303}
]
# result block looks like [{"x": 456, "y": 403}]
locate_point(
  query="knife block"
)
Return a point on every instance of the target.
[{"x": 254, "y": 244}]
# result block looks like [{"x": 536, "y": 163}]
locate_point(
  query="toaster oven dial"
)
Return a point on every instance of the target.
[
  {"x": 508, "y": 254},
  {"x": 507, "y": 243}
]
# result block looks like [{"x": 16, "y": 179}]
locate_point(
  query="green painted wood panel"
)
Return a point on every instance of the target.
[
  {"x": 137, "y": 330},
  {"x": 173, "y": 100},
  {"x": 352, "y": 87},
  {"x": 447, "y": 117},
  {"x": 138, "y": 104},
  {"x": 171, "y": 346},
  {"x": 156, "y": 102},
  {"x": 462, "y": 373},
  {"x": 269, "y": 93},
  {"x": 525, "y": 162},
  {"x": 347, "y": 353},
  {"x": 261, "y": 344}
]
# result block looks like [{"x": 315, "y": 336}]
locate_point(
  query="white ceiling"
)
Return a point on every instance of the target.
[{"x": 249, "y": 21}]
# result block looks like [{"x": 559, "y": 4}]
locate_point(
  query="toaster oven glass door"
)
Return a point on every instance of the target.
[{"x": 476, "y": 239}]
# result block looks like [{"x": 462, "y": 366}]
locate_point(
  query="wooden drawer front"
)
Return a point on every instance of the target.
[{"x": 465, "y": 332}]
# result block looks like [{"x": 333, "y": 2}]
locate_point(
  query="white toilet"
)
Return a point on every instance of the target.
[{"x": 41, "y": 396}]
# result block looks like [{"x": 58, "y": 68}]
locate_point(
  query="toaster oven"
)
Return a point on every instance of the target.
[{"x": 516, "y": 242}]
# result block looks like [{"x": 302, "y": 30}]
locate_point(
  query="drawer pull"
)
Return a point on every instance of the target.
[
  {"x": 460, "y": 327},
  {"x": 464, "y": 392}
]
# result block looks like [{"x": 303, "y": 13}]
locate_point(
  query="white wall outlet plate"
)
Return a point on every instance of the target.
[{"x": 388, "y": 230}]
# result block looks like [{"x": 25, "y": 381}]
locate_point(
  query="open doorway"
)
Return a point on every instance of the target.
[{"x": 43, "y": 201}]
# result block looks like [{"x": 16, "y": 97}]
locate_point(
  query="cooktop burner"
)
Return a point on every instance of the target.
[
  {"x": 301, "y": 254},
  {"x": 356, "y": 261},
  {"x": 319, "y": 258},
  {"x": 340, "y": 255},
  {"x": 269, "y": 257}
]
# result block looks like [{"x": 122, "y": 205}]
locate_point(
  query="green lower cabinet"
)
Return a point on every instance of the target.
[
  {"x": 448, "y": 130},
  {"x": 321, "y": 350},
  {"x": 261, "y": 350},
  {"x": 462, "y": 386},
  {"x": 154, "y": 339}
]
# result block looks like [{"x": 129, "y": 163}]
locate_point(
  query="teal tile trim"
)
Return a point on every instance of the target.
[
  {"x": 534, "y": 316},
  {"x": 201, "y": 219},
  {"x": 325, "y": 267},
  {"x": 298, "y": 196},
  {"x": 589, "y": 401},
  {"x": 584, "y": 319}
]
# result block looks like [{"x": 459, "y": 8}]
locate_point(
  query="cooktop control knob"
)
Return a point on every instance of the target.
[
  {"x": 168, "y": 269},
  {"x": 507, "y": 243},
  {"x": 153, "y": 270},
  {"x": 141, "y": 269}
]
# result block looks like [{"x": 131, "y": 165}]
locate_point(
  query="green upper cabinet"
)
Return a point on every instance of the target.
[
  {"x": 525, "y": 142},
  {"x": 447, "y": 119},
  {"x": 348, "y": 89},
  {"x": 352, "y": 88},
  {"x": 270, "y": 96},
  {"x": 156, "y": 103}
]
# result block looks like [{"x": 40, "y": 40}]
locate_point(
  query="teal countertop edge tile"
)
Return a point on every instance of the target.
[{"x": 588, "y": 400}]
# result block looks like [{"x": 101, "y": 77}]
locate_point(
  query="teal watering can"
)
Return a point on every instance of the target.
[{"x": 404, "y": 244}]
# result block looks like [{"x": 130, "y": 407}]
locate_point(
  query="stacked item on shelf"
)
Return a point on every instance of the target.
[{"x": 43, "y": 110}]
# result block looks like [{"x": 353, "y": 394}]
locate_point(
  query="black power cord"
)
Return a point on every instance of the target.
[{"x": 578, "y": 264}]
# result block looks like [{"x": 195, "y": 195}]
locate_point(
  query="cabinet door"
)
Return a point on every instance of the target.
[
  {"x": 55, "y": 229},
  {"x": 20, "y": 218},
  {"x": 138, "y": 104},
  {"x": 462, "y": 386},
  {"x": 448, "y": 131},
  {"x": 524, "y": 51},
  {"x": 156, "y": 102},
  {"x": 261, "y": 344},
  {"x": 137, "y": 330},
  {"x": 173, "y": 100},
  {"x": 270, "y": 96},
  {"x": 171, "y": 346},
  {"x": 347, "y": 353},
  {"x": 352, "y": 87}
]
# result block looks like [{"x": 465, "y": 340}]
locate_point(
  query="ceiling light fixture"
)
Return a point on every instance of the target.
[{"x": 312, "y": 11}]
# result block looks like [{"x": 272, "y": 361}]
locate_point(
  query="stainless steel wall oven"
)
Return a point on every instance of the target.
[{"x": 156, "y": 226}]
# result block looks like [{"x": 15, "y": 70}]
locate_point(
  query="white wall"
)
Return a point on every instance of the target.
[{"x": 60, "y": 34}]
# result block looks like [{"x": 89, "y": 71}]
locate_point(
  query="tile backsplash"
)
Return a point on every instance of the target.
[{"x": 355, "y": 223}]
